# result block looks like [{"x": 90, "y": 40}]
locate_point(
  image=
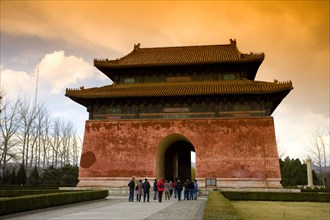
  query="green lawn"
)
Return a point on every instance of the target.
[{"x": 283, "y": 210}]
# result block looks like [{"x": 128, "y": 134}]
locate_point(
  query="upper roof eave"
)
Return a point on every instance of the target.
[
  {"x": 101, "y": 64},
  {"x": 181, "y": 89},
  {"x": 187, "y": 55}
]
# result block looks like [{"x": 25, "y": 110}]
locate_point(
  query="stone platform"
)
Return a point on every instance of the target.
[{"x": 123, "y": 191}]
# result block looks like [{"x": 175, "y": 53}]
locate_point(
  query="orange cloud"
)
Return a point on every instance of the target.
[
  {"x": 114, "y": 24},
  {"x": 294, "y": 35}
]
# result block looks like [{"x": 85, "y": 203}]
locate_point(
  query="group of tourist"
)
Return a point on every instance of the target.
[
  {"x": 139, "y": 188},
  {"x": 183, "y": 191}
]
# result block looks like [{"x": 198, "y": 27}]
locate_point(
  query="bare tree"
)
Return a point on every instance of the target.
[
  {"x": 40, "y": 126},
  {"x": 55, "y": 141},
  {"x": 27, "y": 114},
  {"x": 8, "y": 126},
  {"x": 29, "y": 135},
  {"x": 44, "y": 140},
  {"x": 280, "y": 148},
  {"x": 68, "y": 135},
  {"x": 321, "y": 152},
  {"x": 76, "y": 149}
]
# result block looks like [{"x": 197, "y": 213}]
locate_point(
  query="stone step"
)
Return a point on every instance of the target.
[
  {"x": 115, "y": 191},
  {"x": 123, "y": 191}
]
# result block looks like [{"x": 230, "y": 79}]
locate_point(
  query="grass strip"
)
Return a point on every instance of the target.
[
  {"x": 282, "y": 210},
  {"x": 218, "y": 207},
  {"x": 278, "y": 196}
]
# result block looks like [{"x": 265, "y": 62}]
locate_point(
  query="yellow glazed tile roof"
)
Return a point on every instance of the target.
[
  {"x": 227, "y": 53},
  {"x": 181, "y": 89}
]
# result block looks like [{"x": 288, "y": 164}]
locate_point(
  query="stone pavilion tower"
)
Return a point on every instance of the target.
[{"x": 166, "y": 102}]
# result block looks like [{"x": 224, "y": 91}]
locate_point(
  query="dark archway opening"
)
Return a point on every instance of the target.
[{"x": 177, "y": 161}]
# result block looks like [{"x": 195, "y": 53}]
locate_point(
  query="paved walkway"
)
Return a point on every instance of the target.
[{"x": 119, "y": 208}]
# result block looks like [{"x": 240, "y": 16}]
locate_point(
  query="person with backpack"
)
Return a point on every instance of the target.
[
  {"x": 161, "y": 188},
  {"x": 186, "y": 190}
]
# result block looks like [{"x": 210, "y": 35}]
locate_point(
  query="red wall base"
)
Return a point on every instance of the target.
[{"x": 239, "y": 152}]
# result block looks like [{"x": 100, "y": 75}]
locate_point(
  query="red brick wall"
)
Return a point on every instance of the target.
[{"x": 225, "y": 148}]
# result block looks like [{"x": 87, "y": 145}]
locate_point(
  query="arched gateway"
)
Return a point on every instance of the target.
[
  {"x": 174, "y": 157},
  {"x": 166, "y": 102}
]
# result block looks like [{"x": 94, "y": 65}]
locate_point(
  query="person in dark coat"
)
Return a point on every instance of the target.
[
  {"x": 191, "y": 190},
  {"x": 195, "y": 189},
  {"x": 146, "y": 190},
  {"x": 186, "y": 189},
  {"x": 155, "y": 189},
  {"x": 179, "y": 188},
  {"x": 131, "y": 185}
]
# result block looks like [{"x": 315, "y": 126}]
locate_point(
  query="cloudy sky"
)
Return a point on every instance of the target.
[{"x": 61, "y": 39}]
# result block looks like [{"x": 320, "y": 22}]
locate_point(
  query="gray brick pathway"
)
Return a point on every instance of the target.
[
  {"x": 119, "y": 208},
  {"x": 187, "y": 209}
]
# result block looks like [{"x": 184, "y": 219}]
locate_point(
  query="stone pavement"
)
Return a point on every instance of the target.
[
  {"x": 120, "y": 208},
  {"x": 187, "y": 209}
]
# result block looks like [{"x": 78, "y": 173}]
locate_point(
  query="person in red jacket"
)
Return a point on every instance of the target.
[{"x": 161, "y": 188}]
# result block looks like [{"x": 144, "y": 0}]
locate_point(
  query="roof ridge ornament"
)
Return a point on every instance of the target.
[
  {"x": 137, "y": 46},
  {"x": 233, "y": 42}
]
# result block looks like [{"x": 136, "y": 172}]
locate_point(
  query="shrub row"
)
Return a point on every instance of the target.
[
  {"x": 326, "y": 190},
  {"x": 278, "y": 196},
  {"x": 26, "y": 192},
  {"x": 31, "y": 202},
  {"x": 218, "y": 207},
  {"x": 16, "y": 187}
]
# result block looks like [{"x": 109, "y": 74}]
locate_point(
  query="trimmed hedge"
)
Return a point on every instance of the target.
[
  {"x": 218, "y": 207},
  {"x": 324, "y": 190},
  {"x": 15, "y": 187},
  {"x": 278, "y": 196},
  {"x": 31, "y": 202},
  {"x": 26, "y": 192}
]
